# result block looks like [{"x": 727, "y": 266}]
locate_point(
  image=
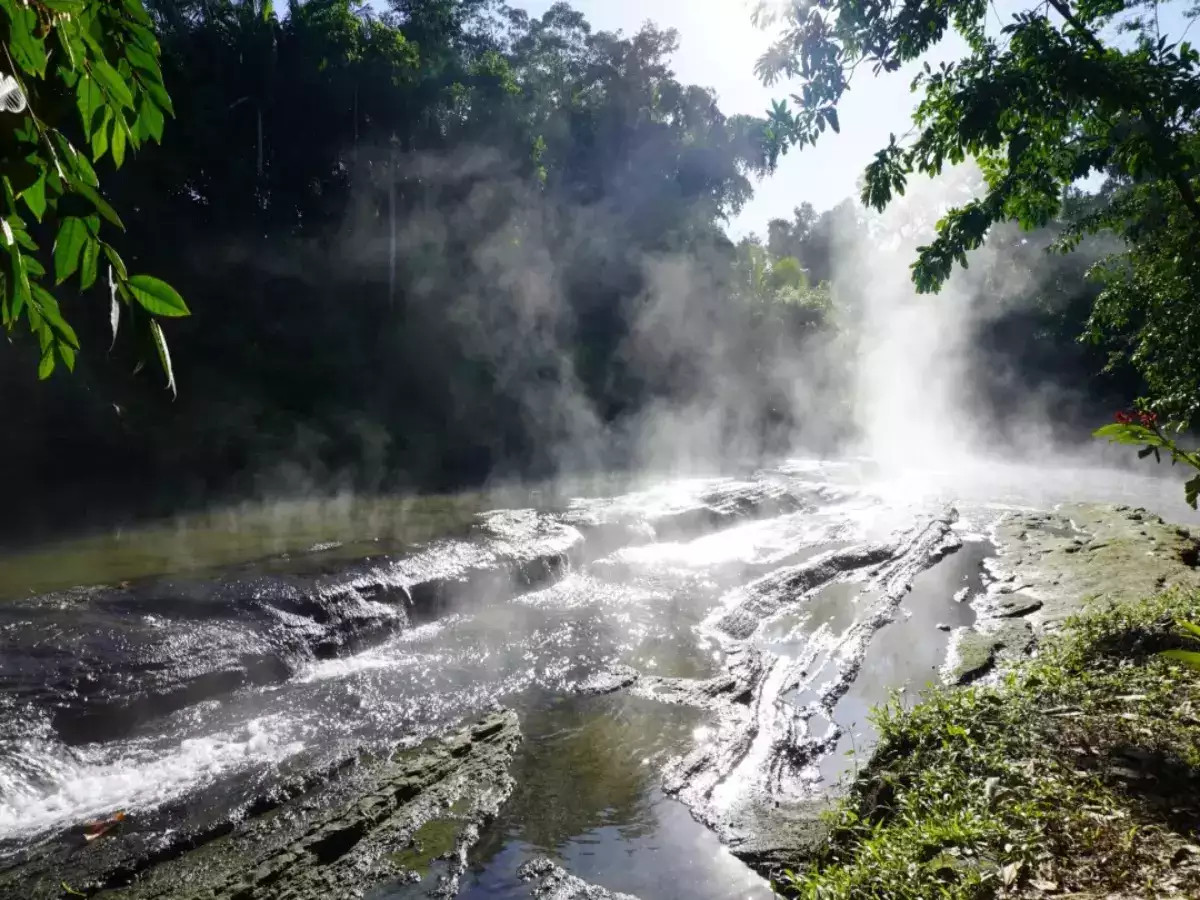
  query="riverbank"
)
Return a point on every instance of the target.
[{"x": 1076, "y": 774}]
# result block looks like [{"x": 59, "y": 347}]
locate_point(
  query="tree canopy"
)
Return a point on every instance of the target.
[{"x": 82, "y": 82}]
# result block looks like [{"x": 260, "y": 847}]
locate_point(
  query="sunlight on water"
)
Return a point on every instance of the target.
[{"x": 74, "y": 786}]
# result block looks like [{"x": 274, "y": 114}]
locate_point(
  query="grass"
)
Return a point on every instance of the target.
[{"x": 1077, "y": 775}]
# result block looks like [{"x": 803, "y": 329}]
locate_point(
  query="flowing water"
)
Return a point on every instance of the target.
[{"x": 176, "y": 673}]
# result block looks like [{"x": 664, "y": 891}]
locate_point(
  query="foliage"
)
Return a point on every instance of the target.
[
  {"x": 425, "y": 238},
  {"x": 89, "y": 83},
  {"x": 1076, "y": 773},
  {"x": 1062, "y": 91},
  {"x": 1143, "y": 429},
  {"x": 1189, "y": 631}
]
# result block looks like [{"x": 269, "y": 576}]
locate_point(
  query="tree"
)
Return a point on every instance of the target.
[{"x": 82, "y": 82}]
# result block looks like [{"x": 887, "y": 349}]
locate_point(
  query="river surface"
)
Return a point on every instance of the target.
[{"x": 176, "y": 672}]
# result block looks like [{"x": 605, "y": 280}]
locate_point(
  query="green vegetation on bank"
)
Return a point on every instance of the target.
[{"x": 1077, "y": 775}]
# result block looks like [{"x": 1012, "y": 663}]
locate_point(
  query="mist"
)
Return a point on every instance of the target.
[{"x": 430, "y": 292}]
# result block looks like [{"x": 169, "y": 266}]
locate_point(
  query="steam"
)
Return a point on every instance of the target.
[{"x": 913, "y": 362}]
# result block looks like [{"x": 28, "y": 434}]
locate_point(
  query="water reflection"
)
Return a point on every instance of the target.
[{"x": 587, "y": 796}]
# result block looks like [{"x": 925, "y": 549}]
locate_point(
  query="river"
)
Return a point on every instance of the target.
[{"x": 177, "y": 672}]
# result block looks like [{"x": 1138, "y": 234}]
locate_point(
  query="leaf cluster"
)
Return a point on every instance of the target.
[{"x": 90, "y": 73}]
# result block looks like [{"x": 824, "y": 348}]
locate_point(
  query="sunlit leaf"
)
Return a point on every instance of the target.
[
  {"x": 1187, "y": 657},
  {"x": 89, "y": 264},
  {"x": 68, "y": 244},
  {"x": 157, "y": 297},
  {"x": 35, "y": 197},
  {"x": 46, "y": 366},
  {"x": 113, "y": 84}
]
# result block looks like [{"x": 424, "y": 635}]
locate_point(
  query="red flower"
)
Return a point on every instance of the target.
[
  {"x": 1148, "y": 419},
  {"x": 1124, "y": 418}
]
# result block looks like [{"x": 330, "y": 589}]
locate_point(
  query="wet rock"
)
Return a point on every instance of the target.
[
  {"x": 743, "y": 611},
  {"x": 974, "y": 653},
  {"x": 106, "y": 662},
  {"x": 550, "y": 882},
  {"x": 374, "y": 820},
  {"x": 1016, "y": 605},
  {"x": 678, "y": 511},
  {"x": 752, "y": 781},
  {"x": 1065, "y": 561},
  {"x": 608, "y": 681},
  {"x": 1129, "y": 554},
  {"x": 942, "y": 626}
]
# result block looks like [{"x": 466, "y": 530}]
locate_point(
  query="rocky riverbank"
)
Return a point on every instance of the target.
[
  {"x": 1050, "y": 566},
  {"x": 750, "y": 625},
  {"x": 407, "y": 817}
]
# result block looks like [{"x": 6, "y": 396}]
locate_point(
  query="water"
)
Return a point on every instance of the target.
[{"x": 232, "y": 649}]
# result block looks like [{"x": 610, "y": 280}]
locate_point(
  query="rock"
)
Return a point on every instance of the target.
[
  {"x": 123, "y": 657},
  {"x": 373, "y": 820},
  {"x": 974, "y": 653},
  {"x": 1065, "y": 561},
  {"x": 1017, "y": 605},
  {"x": 550, "y": 882},
  {"x": 749, "y": 780},
  {"x": 942, "y": 626},
  {"x": 608, "y": 682}
]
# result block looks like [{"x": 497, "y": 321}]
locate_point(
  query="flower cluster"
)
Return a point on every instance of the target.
[{"x": 1133, "y": 417}]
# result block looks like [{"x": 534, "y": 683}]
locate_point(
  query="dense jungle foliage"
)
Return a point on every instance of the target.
[{"x": 426, "y": 242}]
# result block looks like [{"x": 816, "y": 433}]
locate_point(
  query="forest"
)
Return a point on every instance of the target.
[{"x": 433, "y": 242}]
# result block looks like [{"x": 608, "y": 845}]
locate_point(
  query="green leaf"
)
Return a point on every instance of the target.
[
  {"x": 118, "y": 141},
  {"x": 150, "y": 120},
  {"x": 117, "y": 263},
  {"x": 67, "y": 353},
  {"x": 64, "y": 6},
  {"x": 91, "y": 259},
  {"x": 832, "y": 116},
  {"x": 144, "y": 62},
  {"x": 159, "y": 95},
  {"x": 1187, "y": 657},
  {"x": 78, "y": 167},
  {"x": 1190, "y": 627},
  {"x": 1191, "y": 490},
  {"x": 164, "y": 355},
  {"x": 72, "y": 234},
  {"x": 100, "y": 136},
  {"x": 138, "y": 11},
  {"x": 100, "y": 203},
  {"x": 48, "y": 307},
  {"x": 112, "y": 82},
  {"x": 46, "y": 366},
  {"x": 89, "y": 100},
  {"x": 157, "y": 296},
  {"x": 1120, "y": 433},
  {"x": 28, "y": 50},
  {"x": 35, "y": 197},
  {"x": 20, "y": 282}
]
